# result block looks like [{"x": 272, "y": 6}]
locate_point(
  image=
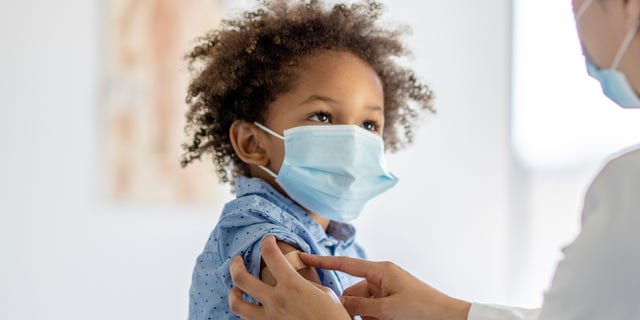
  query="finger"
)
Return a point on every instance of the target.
[
  {"x": 360, "y": 289},
  {"x": 275, "y": 260},
  {"x": 243, "y": 308},
  {"x": 246, "y": 281},
  {"x": 366, "y": 289},
  {"x": 353, "y": 266},
  {"x": 362, "y": 306}
]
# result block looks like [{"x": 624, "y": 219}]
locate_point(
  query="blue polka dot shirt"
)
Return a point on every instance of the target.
[{"x": 260, "y": 210}]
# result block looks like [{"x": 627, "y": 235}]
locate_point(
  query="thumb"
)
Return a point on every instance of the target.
[{"x": 359, "y": 306}]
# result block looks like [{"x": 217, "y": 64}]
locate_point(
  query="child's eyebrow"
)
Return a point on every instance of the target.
[{"x": 328, "y": 100}]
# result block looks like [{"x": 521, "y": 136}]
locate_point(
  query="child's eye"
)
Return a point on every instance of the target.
[
  {"x": 321, "y": 117},
  {"x": 370, "y": 125}
]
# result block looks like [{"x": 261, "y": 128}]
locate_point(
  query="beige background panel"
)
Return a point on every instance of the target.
[{"x": 146, "y": 80}]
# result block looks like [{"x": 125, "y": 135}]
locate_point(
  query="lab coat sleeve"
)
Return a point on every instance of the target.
[
  {"x": 480, "y": 311},
  {"x": 599, "y": 276}
]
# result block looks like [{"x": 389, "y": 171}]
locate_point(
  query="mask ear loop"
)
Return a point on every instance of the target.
[
  {"x": 583, "y": 9},
  {"x": 269, "y": 131},
  {"x": 273, "y": 133},
  {"x": 625, "y": 45},
  {"x": 267, "y": 170}
]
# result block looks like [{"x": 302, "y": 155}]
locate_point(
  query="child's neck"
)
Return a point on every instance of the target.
[{"x": 324, "y": 222}]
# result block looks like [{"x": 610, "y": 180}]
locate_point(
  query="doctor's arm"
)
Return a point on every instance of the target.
[{"x": 389, "y": 292}]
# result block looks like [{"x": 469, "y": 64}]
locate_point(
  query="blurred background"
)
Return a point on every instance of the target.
[{"x": 98, "y": 221}]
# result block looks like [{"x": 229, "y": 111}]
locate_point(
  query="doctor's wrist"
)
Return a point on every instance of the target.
[{"x": 455, "y": 309}]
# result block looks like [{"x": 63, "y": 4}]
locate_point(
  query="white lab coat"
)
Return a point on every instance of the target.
[{"x": 599, "y": 277}]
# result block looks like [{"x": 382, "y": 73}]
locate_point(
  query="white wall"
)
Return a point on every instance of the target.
[
  {"x": 68, "y": 254},
  {"x": 447, "y": 219},
  {"x": 548, "y": 219}
]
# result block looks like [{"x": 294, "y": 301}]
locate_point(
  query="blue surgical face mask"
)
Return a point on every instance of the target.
[
  {"x": 332, "y": 170},
  {"x": 615, "y": 84}
]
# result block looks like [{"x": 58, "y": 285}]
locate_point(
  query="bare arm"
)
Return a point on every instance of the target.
[{"x": 306, "y": 272}]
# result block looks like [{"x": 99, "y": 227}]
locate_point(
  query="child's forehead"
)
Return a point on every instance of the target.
[
  {"x": 339, "y": 82},
  {"x": 328, "y": 68}
]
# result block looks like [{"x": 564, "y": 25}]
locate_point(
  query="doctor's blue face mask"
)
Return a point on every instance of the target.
[
  {"x": 615, "y": 84},
  {"x": 332, "y": 170}
]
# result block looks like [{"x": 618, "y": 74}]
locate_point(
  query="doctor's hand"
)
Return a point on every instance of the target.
[
  {"x": 293, "y": 297},
  {"x": 389, "y": 292}
]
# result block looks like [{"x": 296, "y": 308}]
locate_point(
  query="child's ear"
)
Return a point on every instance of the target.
[{"x": 246, "y": 143}]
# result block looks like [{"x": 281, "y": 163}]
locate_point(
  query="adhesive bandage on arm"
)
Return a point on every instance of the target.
[{"x": 293, "y": 258}]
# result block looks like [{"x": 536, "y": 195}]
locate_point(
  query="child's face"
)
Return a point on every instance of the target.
[{"x": 331, "y": 88}]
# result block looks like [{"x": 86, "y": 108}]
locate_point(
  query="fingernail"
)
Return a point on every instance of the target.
[{"x": 267, "y": 238}]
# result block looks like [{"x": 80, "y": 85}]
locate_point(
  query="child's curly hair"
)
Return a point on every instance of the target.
[{"x": 242, "y": 67}]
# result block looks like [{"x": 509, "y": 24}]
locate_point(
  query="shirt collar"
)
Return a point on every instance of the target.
[{"x": 341, "y": 231}]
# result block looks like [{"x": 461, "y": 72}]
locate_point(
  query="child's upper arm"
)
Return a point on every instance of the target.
[{"x": 308, "y": 273}]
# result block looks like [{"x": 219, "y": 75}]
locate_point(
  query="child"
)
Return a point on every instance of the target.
[{"x": 296, "y": 103}]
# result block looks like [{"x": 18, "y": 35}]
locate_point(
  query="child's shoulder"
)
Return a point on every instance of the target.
[
  {"x": 258, "y": 202},
  {"x": 257, "y": 211}
]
